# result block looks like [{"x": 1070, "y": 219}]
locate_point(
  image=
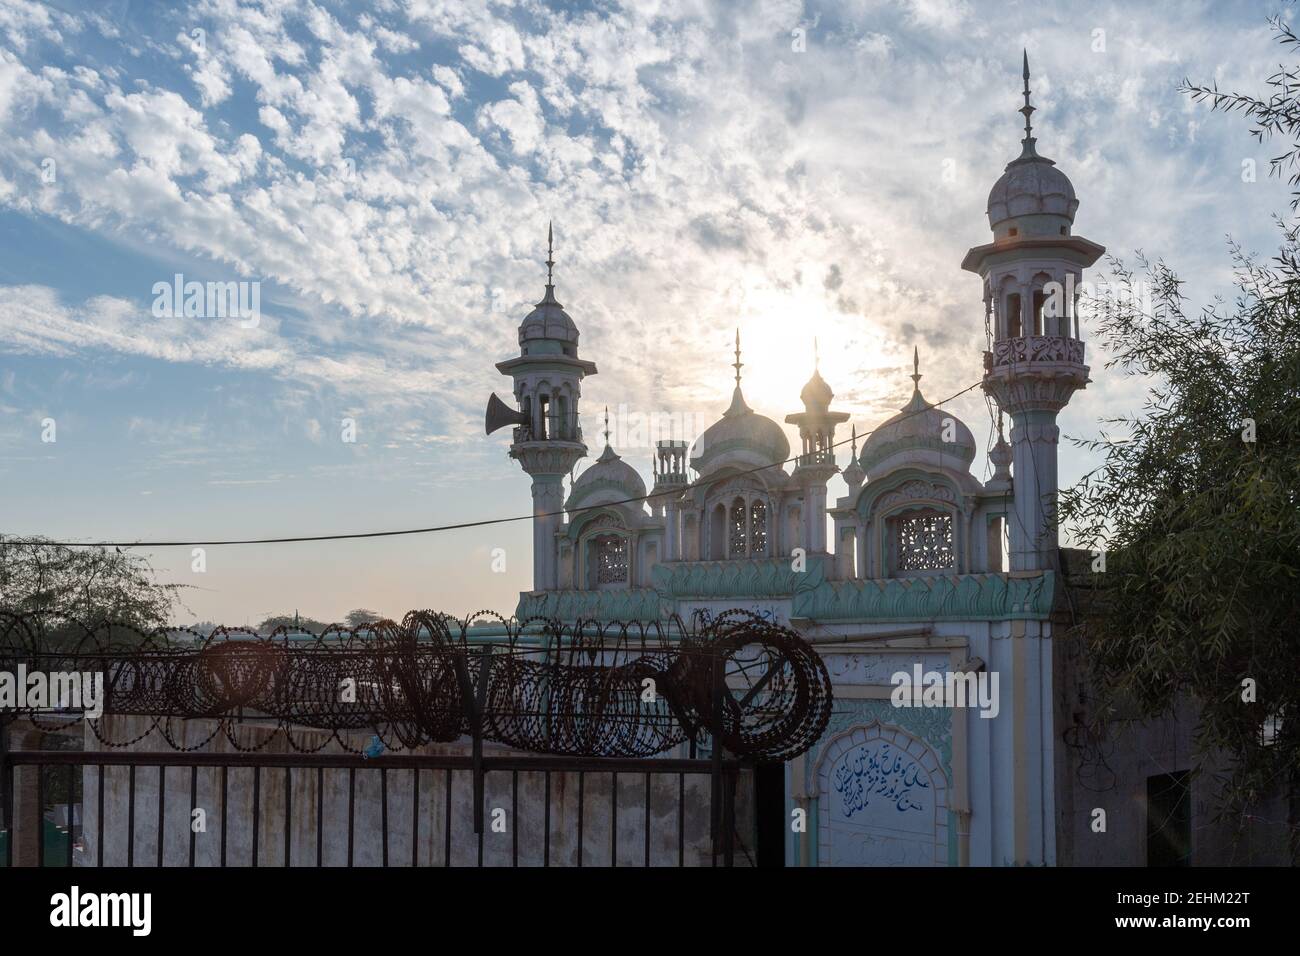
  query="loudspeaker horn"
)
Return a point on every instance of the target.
[{"x": 499, "y": 414}]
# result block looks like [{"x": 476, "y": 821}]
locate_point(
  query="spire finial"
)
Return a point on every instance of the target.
[
  {"x": 738, "y": 363},
  {"x": 854, "y": 445},
  {"x": 816, "y": 357},
  {"x": 1028, "y": 111},
  {"x": 606, "y": 424},
  {"x": 550, "y": 258},
  {"x": 916, "y": 366}
]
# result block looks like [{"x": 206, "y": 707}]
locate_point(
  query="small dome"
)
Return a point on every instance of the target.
[
  {"x": 918, "y": 428},
  {"x": 608, "y": 480},
  {"x": 1031, "y": 186},
  {"x": 548, "y": 321},
  {"x": 816, "y": 394},
  {"x": 755, "y": 438}
]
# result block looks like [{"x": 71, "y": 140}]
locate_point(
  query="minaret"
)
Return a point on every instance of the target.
[
  {"x": 548, "y": 440},
  {"x": 816, "y": 461},
  {"x": 1034, "y": 364}
]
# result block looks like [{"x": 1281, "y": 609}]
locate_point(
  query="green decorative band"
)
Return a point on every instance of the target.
[
  {"x": 752, "y": 578},
  {"x": 633, "y": 604},
  {"x": 958, "y": 597}
]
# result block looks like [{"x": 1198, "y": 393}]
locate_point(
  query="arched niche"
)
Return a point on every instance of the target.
[{"x": 882, "y": 800}]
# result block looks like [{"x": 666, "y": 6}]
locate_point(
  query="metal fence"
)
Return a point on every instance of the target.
[{"x": 153, "y": 825}]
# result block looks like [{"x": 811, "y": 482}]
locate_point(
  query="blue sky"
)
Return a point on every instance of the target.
[{"x": 387, "y": 171}]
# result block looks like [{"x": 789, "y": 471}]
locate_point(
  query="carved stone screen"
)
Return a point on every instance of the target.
[
  {"x": 611, "y": 559},
  {"x": 924, "y": 542}
]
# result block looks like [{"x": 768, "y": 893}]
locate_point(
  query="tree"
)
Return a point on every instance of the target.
[
  {"x": 1198, "y": 506},
  {"x": 292, "y": 622},
  {"x": 87, "y": 585},
  {"x": 360, "y": 616}
]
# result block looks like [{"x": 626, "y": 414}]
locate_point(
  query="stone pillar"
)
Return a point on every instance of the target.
[
  {"x": 28, "y": 814},
  {"x": 548, "y": 500},
  {"x": 672, "y": 532},
  {"x": 1033, "y": 529}
]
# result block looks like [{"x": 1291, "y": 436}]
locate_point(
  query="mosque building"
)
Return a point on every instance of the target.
[{"x": 915, "y": 578}]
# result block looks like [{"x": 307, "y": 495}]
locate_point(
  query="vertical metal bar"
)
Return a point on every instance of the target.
[
  {"x": 613, "y": 816},
  {"x": 6, "y": 787},
  {"x": 99, "y": 817},
  {"x": 40, "y": 815},
  {"x": 446, "y": 848},
  {"x": 383, "y": 810},
  {"x": 647, "y": 819},
  {"x": 8, "y": 808},
  {"x": 715, "y": 775},
  {"x": 681, "y": 819},
  {"x": 582, "y": 779},
  {"x": 288, "y": 813},
  {"x": 546, "y": 824},
  {"x": 352, "y": 792},
  {"x": 320, "y": 814},
  {"x": 162, "y": 805},
  {"x": 415, "y": 817},
  {"x": 514, "y": 817},
  {"x": 130, "y": 817},
  {"x": 729, "y": 818},
  {"x": 257, "y": 810},
  {"x": 225, "y": 791},
  {"x": 194, "y": 802},
  {"x": 71, "y": 827}
]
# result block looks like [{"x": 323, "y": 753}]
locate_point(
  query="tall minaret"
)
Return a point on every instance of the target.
[
  {"x": 548, "y": 440},
  {"x": 816, "y": 462},
  {"x": 1030, "y": 271}
]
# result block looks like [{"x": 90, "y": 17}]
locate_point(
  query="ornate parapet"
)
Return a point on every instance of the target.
[
  {"x": 758, "y": 577},
  {"x": 554, "y": 457},
  {"x": 1035, "y": 349},
  {"x": 951, "y": 597},
  {"x": 630, "y": 604}
]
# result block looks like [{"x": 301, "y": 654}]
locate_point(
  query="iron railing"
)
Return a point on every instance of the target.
[{"x": 152, "y": 837}]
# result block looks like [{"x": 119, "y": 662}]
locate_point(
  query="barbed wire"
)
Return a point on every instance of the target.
[{"x": 611, "y": 689}]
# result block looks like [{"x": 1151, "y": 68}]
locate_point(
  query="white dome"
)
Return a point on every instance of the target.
[
  {"x": 741, "y": 437},
  {"x": 610, "y": 479},
  {"x": 917, "y": 433},
  {"x": 1031, "y": 186},
  {"x": 548, "y": 321}
]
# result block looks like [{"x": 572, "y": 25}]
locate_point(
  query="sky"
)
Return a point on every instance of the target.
[{"x": 385, "y": 174}]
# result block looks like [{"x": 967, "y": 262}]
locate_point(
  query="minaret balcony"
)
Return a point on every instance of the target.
[
  {"x": 815, "y": 459},
  {"x": 1034, "y": 349}
]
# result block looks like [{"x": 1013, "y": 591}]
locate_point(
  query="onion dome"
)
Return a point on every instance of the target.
[
  {"x": 917, "y": 433},
  {"x": 742, "y": 437},
  {"x": 609, "y": 479},
  {"x": 1032, "y": 186},
  {"x": 548, "y": 322}
]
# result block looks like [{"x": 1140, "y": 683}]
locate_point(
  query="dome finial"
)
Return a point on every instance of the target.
[
  {"x": 606, "y": 424},
  {"x": 550, "y": 258},
  {"x": 916, "y": 367},
  {"x": 1028, "y": 111},
  {"x": 854, "y": 446},
  {"x": 816, "y": 358},
  {"x": 738, "y": 364}
]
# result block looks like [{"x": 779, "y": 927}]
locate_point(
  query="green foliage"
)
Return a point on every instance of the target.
[
  {"x": 1202, "y": 527},
  {"x": 293, "y": 624},
  {"x": 88, "y": 585}
]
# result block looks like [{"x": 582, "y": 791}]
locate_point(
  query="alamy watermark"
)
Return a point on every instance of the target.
[
  {"x": 967, "y": 688},
  {"x": 37, "y": 691},
  {"x": 209, "y": 300}
]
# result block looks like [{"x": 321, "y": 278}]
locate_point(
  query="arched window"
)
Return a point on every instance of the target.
[
  {"x": 758, "y": 528},
  {"x": 718, "y": 533},
  {"x": 1040, "y": 298},
  {"x": 611, "y": 559},
  {"x": 923, "y": 541},
  {"x": 1013, "y": 315},
  {"x": 736, "y": 530}
]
